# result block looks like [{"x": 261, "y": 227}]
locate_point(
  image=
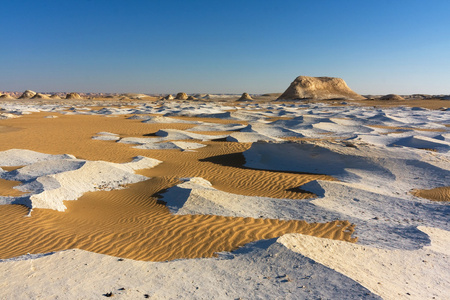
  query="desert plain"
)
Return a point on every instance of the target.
[{"x": 225, "y": 197}]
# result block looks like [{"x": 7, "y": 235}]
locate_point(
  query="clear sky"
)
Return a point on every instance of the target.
[{"x": 377, "y": 47}]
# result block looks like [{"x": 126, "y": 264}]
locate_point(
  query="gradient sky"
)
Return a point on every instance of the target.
[{"x": 377, "y": 47}]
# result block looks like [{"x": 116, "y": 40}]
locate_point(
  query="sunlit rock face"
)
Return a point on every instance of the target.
[{"x": 305, "y": 87}]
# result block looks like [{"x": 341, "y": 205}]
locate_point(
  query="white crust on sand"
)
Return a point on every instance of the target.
[{"x": 52, "y": 179}]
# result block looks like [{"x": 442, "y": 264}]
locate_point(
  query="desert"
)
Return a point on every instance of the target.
[
  {"x": 225, "y": 150},
  {"x": 163, "y": 197}
]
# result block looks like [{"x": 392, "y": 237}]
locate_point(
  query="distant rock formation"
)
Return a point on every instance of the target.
[
  {"x": 6, "y": 96},
  {"x": 305, "y": 87},
  {"x": 245, "y": 97},
  {"x": 274, "y": 95},
  {"x": 73, "y": 96},
  {"x": 181, "y": 96},
  {"x": 40, "y": 96},
  {"x": 135, "y": 96},
  {"x": 392, "y": 97},
  {"x": 168, "y": 97},
  {"x": 191, "y": 98},
  {"x": 28, "y": 94},
  {"x": 418, "y": 96},
  {"x": 371, "y": 97},
  {"x": 55, "y": 96}
]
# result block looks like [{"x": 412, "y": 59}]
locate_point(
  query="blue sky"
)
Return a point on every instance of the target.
[{"x": 377, "y": 47}]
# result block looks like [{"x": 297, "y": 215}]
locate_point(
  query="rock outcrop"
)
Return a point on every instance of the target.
[
  {"x": 245, "y": 97},
  {"x": 134, "y": 96},
  {"x": 40, "y": 96},
  {"x": 28, "y": 94},
  {"x": 6, "y": 97},
  {"x": 392, "y": 97},
  {"x": 305, "y": 87},
  {"x": 168, "y": 97},
  {"x": 181, "y": 96},
  {"x": 73, "y": 96}
]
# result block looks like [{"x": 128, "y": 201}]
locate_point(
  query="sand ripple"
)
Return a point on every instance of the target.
[
  {"x": 436, "y": 194},
  {"x": 132, "y": 223},
  {"x": 7, "y": 188}
]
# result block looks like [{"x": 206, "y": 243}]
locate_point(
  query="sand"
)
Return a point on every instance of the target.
[
  {"x": 140, "y": 231},
  {"x": 6, "y": 188},
  {"x": 227, "y": 186},
  {"x": 207, "y": 162},
  {"x": 436, "y": 194},
  {"x": 132, "y": 223},
  {"x": 429, "y": 103},
  {"x": 4, "y": 129}
]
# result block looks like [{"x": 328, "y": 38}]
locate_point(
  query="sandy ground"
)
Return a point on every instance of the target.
[
  {"x": 132, "y": 223},
  {"x": 429, "y": 103},
  {"x": 7, "y": 188},
  {"x": 204, "y": 189},
  {"x": 436, "y": 194}
]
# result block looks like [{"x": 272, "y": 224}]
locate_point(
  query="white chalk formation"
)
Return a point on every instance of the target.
[{"x": 48, "y": 180}]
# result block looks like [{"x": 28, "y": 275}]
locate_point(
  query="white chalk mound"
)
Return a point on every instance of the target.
[
  {"x": 27, "y": 94},
  {"x": 392, "y": 97},
  {"x": 7, "y": 116},
  {"x": 305, "y": 87},
  {"x": 73, "y": 96},
  {"x": 310, "y": 158},
  {"x": 181, "y": 96},
  {"x": 197, "y": 196},
  {"x": 106, "y": 136},
  {"x": 40, "y": 96},
  {"x": 162, "y": 119},
  {"x": 23, "y": 157},
  {"x": 52, "y": 179},
  {"x": 6, "y": 97},
  {"x": 245, "y": 97}
]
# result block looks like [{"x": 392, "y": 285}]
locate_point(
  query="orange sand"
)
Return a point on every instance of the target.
[
  {"x": 6, "y": 188},
  {"x": 132, "y": 223},
  {"x": 436, "y": 194}
]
